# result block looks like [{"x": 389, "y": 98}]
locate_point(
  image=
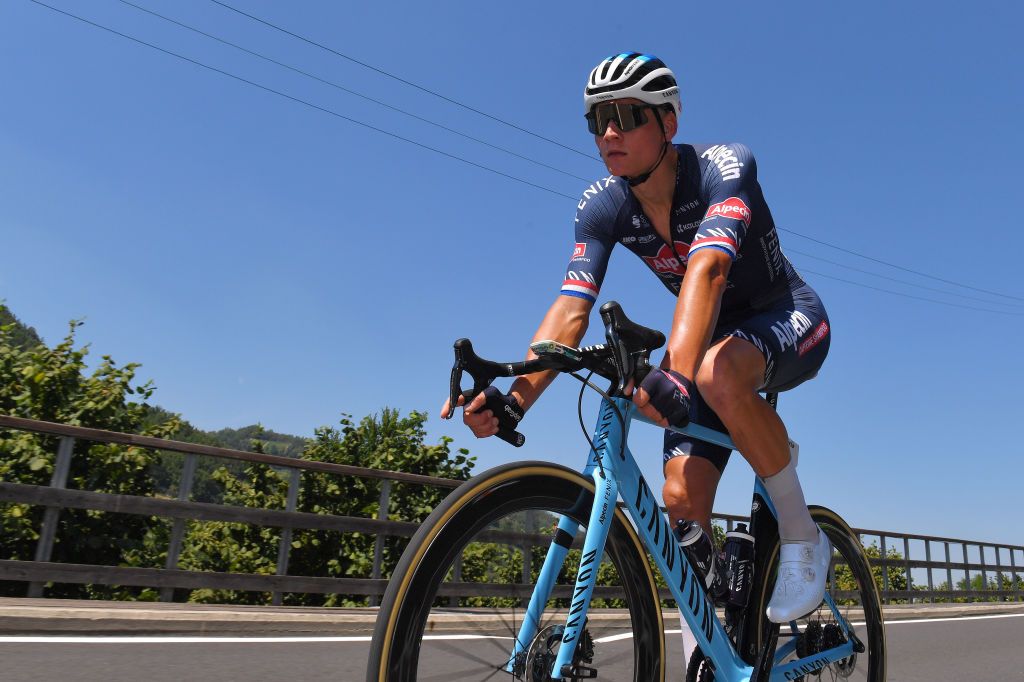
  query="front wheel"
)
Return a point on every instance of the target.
[
  {"x": 452, "y": 609},
  {"x": 854, "y": 592}
]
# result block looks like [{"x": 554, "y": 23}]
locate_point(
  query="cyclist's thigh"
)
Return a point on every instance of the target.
[
  {"x": 793, "y": 338},
  {"x": 679, "y": 445}
]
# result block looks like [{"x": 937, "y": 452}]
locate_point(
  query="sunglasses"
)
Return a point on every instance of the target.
[{"x": 626, "y": 116}]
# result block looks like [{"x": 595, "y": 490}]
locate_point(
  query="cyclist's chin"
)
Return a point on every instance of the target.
[
  {"x": 624, "y": 165},
  {"x": 619, "y": 164}
]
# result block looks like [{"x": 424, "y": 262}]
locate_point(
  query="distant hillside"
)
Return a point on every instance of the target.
[
  {"x": 273, "y": 443},
  {"x": 21, "y": 336},
  {"x": 25, "y": 337}
]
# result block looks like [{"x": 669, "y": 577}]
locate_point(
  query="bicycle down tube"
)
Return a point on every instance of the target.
[{"x": 615, "y": 473}]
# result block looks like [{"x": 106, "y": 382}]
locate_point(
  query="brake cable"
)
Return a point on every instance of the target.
[{"x": 579, "y": 412}]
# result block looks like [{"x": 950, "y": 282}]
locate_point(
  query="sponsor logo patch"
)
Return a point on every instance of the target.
[
  {"x": 819, "y": 333},
  {"x": 733, "y": 207},
  {"x": 667, "y": 262},
  {"x": 579, "y": 251},
  {"x": 725, "y": 158}
]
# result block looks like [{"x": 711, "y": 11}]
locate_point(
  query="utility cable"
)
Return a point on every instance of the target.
[
  {"x": 402, "y": 80},
  {"x": 350, "y": 91},
  {"x": 900, "y": 281},
  {"x": 919, "y": 298},
  {"x": 306, "y": 103},
  {"x": 495, "y": 118},
  {"x": 541, "y": 187},
  {"x": 900, "y": 267}
]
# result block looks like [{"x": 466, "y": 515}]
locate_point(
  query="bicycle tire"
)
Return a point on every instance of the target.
[
  {"x": 846, "y": 543},
  {"x": 520, "y": 486}
]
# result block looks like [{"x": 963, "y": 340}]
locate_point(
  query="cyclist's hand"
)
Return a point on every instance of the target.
[
  {"x": 489, "y": 411},
  {"x": 664, "y": 397}
]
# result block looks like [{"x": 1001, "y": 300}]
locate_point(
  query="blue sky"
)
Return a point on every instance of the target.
[{"x": 266, "y": 261}]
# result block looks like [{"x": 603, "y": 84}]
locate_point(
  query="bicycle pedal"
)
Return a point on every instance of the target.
[{"x": 578, "y": 673}]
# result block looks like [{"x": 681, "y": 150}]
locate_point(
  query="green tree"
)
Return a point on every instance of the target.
[
  {"x": 21, "y": 336},
  {"x": 385, "y": 441},
  {"x": 38, "y": 382},
  {"x": 897, "y": 574},
  {"x": 238, "y": 547}
]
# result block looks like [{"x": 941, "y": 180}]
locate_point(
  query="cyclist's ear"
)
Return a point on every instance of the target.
[{"x": 670, "y": 123}]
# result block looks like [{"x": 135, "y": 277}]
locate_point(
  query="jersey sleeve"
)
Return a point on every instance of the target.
[
  {"x": 730, "y": 185},
  {"x": 595, "y": 220}
]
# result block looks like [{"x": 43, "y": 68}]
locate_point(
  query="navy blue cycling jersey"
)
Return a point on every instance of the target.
[{"x": 717, "y": 204}]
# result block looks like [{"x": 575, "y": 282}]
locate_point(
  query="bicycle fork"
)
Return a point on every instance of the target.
[{"x": 601, "y": 516}]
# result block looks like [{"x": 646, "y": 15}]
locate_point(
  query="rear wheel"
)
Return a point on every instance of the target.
[
  {"x": 855, "y": 594},
  {"x": 454, "y": 606}
]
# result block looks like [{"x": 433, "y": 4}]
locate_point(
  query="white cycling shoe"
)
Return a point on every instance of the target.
[{"x": 800, "y": 585}]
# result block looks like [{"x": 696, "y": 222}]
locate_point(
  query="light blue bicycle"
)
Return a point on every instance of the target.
[{"x": 511, "y": 534}]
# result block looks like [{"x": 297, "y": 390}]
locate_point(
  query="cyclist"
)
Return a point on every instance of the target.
[{"x": 744, "y": 319}]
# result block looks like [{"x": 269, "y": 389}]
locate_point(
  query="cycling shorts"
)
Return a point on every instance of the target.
[{"x": 793, "y": 335}]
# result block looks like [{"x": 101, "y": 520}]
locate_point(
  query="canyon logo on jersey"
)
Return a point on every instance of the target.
[
  {"x": 667, "y": 262},
  {"x": 733, "y": 207}
]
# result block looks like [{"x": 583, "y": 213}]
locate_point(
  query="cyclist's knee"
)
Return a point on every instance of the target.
[
  {"x": 727, "y": 375},
  {"x": 686, "y": 499}
]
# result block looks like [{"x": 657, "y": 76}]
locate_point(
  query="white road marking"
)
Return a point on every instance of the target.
[{"x": 286, "y": 640}]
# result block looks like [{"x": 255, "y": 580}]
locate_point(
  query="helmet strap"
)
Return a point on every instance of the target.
[{"x": 643, "y": 177}]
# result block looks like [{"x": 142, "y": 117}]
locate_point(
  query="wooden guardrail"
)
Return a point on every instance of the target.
[{"x": 57, "y": 496}]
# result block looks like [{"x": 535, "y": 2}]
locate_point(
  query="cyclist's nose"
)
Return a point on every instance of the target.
[{"x": 612, "y": 131}]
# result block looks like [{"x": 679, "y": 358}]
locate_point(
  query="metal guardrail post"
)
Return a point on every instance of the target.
[
  {"x": 51, "y": 517},
  {"x": 1013, "y": 571},
  {"x": 928, "y": 558},
  {"x": 984, "y": 573},
  {"x": 885, "y": 571},
  {"x": 906, "y": 559},
  {"x": 949, "y": 575},
  {"x": 188, "y": 472},
  {"x": 528, "y": 550},
  {"x": 967, "y": 571},
  {"x": 999, "y": 572},
  {"x": 378, "y": 545},
  {"x": 284, "y": 548}
]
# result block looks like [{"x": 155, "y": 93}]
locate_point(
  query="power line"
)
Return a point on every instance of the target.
[
  {"x": 495, "y": 118},
  {"x": 521, "y": 180},
  {"x": 900, "y": 267},
  {"x": 351, "y": 92},
  {"x": 302, "y": 101},
  {"x": 401, "y": 80},
  {"x": 919, "y": 298},
  {"x": 900, "y": 281}
]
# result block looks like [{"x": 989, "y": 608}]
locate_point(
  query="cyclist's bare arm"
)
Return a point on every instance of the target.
[
  {"x": 696, "y": 314},
  {"x": 697, "y": 307},
  {"x": 566, "y": 322}
]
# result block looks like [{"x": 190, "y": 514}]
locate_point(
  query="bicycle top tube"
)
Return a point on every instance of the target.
[{"x": 692, "y": 429}]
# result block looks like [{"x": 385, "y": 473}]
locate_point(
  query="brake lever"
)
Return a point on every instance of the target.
[
  {"x": 466, "y": 360},
  {"x": 621, "y": 358},
  {"x": 483, "y": 373}
]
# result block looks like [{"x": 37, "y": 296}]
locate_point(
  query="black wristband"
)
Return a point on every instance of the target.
[
  {"x": 505, "y": 407},
  {"x": 670, "y": 394}
]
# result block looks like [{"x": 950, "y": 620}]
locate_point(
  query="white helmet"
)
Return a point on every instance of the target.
[{"x": 631, "y": 74}]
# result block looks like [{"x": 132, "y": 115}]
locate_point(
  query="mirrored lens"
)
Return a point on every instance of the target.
[{"x": 626, "y": 117}]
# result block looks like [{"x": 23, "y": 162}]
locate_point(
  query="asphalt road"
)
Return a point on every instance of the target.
[{"x": 977, "y": 649}]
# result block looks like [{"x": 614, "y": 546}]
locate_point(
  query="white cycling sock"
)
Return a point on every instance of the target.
[{"x": 795, "y": 524}]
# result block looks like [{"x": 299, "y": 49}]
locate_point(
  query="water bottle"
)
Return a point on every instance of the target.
[
  {"x": 700, "y": 550},
  {"x": 739, "y": 558}
]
